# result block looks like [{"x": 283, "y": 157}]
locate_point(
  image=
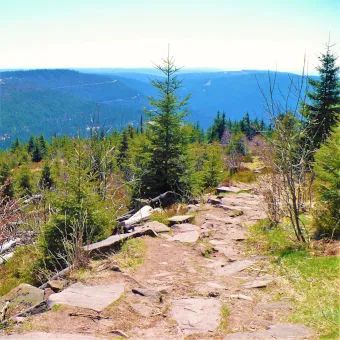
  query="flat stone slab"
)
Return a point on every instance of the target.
[
  {"x": 49, "y": 336},
  {"x": 142, "y": 309},
  {"x": 210, "y": 217},
  {"x": 185, "y": 232},
  {"x": 279, "y": 331},
  {"x": 21, "y": 298},
  {"x": 228, "y": 189},
  {"x": 91, "y": 297},
  {"x": 185, "y": 227},
  {"x": 115, "y": 240},
  {"x": 196, "y": 315},
  {"x": 231, "y": 212},
  {"x": 157, "y": 227},
  {"x": 186, "y": 237},
  {"x": 258, "y": 283},
  {"x": 241, "y": 297},
  {"x": 234, "y": 267},
  {"x": 180, "y": 218}
]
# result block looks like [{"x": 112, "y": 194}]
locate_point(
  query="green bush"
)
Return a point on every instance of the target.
[
  {"x": 327, "y": 172},
  {"x": 76, "y": 224},
  {"x": 212, "y": 166},
  {"x": 23, "y": 267},
  {"x": 243, "y": 176}
]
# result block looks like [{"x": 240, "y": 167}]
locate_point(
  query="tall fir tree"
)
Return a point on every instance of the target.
[
  {"x": 323, "y": 110},
  {"x": 216, "y": 131},
  {"x": 167, "y": 167}
]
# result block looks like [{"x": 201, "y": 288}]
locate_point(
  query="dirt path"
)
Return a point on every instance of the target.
[{"x": 178, "y": 293}]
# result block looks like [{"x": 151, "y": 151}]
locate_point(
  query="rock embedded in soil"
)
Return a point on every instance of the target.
[
  {"x": 57, "y": 285},
  {"x": 258, "y": 283},
  {"x": 186, "y": 237},
  {"x": 214, "y": 201},
  {"x": 241, "y": 297},
  {"x": 278, "y": 331},
  {"x": 21, "y": 298},
  {"x": 149, "y": 293},
  {"x": 157, "y": 227},
  {"x": 142, "y": 309},
  {"x": 228, "y": 189},
  {"x": 186, "y": 233},
  {"x": 180, "y": 219},
  {"x": 196, "y": 315},
  {"x": 233, "y": 268},
  {"x": 184, "y": 227},
  {"x": 91, "y": 297}
]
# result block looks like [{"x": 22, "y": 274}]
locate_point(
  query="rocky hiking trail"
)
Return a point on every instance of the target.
[{"x": 196, "y": 282}]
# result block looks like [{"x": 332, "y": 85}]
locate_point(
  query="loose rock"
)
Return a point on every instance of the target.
[
  {"x": 258, "y": 283},
  {"x": 21, "y": 298},
  {"x": 57, "y": 285},
  {"x": 92, "y": 297},
  {"x": 157, "y": 227},
  {"x": 180, "y": 219}
]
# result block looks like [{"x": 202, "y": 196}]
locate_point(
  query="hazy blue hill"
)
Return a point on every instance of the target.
[{"x": 64, "y": 101}]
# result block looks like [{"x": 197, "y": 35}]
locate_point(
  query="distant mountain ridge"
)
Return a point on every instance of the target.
[{"x": 62, "y": 101}]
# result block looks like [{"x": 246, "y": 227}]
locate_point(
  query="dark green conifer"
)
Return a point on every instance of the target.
[
  {"x": 323, "y": 110},
  {"x": 46, "y": 180},
  {"x": 168, "y": 165}
]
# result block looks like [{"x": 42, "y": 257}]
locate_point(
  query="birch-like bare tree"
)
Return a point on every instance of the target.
[{"x": 288, "y": 189}]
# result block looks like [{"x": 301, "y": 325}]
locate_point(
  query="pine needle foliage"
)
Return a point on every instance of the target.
[{"x": 167, "y": 166}]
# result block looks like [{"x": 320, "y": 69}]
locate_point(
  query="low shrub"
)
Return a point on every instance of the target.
[{"x": 22, "y": 267}]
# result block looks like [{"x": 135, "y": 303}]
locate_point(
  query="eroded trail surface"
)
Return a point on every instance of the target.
[{"x": 196, "y": 282}]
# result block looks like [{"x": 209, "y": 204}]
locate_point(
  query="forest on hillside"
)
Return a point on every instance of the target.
[{"x": 57, "y": 196}]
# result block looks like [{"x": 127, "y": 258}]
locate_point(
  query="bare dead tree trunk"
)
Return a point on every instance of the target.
[{"x": 290, "y": 156}]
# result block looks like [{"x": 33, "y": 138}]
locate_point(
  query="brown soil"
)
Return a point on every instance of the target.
[{"x": 180, "y": 270}]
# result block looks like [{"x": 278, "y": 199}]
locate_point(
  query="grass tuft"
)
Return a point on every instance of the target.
[
  {"x": 21, "y": 268},
  {"x": 243, "y": 176},
  {"x": 225, "y": 313},
  {"x": 311, "y": 282},
  {"x": 131, "y": 254}
]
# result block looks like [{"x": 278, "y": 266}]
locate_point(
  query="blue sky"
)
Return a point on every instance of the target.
[{"x": 231, "y": 35}]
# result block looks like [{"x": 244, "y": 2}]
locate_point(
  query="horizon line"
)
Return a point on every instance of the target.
[{"x": 127, "y": 68}]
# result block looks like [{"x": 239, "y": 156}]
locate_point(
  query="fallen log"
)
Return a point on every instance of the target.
[
  {"x": 164, "y": 200},
  {"x": 127, "y": 215},
  {"x": 141, "y": 215}
]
